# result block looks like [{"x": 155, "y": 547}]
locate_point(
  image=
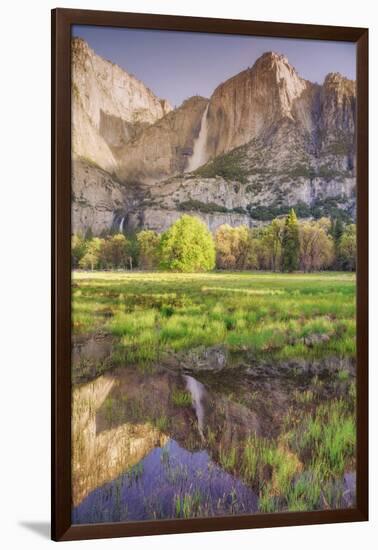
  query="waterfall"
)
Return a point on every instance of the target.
[
  {"x": 121, "y": 224},
  {"x": 198, "y": 392},
  {"x": 199, "y": 156}
]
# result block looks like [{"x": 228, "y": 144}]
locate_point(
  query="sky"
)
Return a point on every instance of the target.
[{"x": 177, "y": 65}]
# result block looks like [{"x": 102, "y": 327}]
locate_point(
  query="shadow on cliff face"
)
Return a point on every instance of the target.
[{"x": 171, "y": 444}]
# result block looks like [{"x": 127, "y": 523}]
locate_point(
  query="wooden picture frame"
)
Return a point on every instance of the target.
[{"x": 62, "y": 20}]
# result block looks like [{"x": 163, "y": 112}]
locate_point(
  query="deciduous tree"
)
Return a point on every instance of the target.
[
  {"x": 316, "y": 246},
  {"x": 148, "y": 243},
  {"x": 187, "y": 246},
  {"x": 91, "y": 258},
  {"x": 270, "y": 245},
  {"x": 114, "y": 252},
  {"x": 348, "y": 248},
  {"x": 234, "y": 248},
  {"x": 78, "y": 249}
]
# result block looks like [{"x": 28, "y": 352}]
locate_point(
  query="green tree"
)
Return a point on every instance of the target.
[
  {"x": 91, "y": 258},
  {"x": 132, "y": 250},
  {"x": 269, "y": 251},
  {"x": 348, "y": 248},
  {"x": 234, "y": 248},
  {"x": 337, "y": 229},
  {"x": 316, "y": 246},
  {"x": 187, "y": 246},
  {"x": 148, "y": 243},
  {"x": 114, "y": 252},
  {"x": 290, "y": 243},
  {"x": 78, "y": 249}
]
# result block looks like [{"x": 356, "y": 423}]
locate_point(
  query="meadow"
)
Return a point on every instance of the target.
[
  {"x": 283, "y": 316},
  {"x": 279, "y": 414}
]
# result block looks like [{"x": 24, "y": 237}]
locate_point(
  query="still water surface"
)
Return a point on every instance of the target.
[{"x": 138, "y": 453}]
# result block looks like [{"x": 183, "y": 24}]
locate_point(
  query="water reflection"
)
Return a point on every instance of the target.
[
  {"x": 101, "y": 455},
  {"x": 169, "y": 482},
  {"x": 198, "y": 395},
  {"x": 140, "y": 454}
]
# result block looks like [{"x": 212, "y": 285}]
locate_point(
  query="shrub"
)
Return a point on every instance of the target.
[
  {"x": 228, "y": 166},
  {"x": 206, "y": 207}
]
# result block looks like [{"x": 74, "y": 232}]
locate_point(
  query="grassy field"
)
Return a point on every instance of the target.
[
  {"x": 285, "y": 316},
  {"x": 149, "y": 316}
]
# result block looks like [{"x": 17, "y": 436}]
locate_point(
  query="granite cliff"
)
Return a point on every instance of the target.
[{"x": 266, "y": 139}]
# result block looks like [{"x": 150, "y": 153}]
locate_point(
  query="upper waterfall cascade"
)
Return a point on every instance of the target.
[{"x": 199, "y": 156}]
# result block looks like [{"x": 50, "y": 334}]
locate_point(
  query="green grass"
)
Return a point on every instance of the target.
[
  {"x": 284, "y": 316},
  {"x": 181, "y": 398},
  {"x": 343, "y": 375},
  {"x": 162, "y": 423},
  {"x": 322, "y": 448},
  {"x": 228, "y": 458},
  {"x": 303, "y": 468},
  {"x": 150, "y": 316},
  {"x": 268, "y": 461},
  {"x": 331, "y": 432},
  {"x": 265, "y": 314},
  {"x": 187, "y": 505}
]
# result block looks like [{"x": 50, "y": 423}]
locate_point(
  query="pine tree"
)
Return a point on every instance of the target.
[
  {"x": 338, "y": 230},
  {"x": 290, "y": 243}
]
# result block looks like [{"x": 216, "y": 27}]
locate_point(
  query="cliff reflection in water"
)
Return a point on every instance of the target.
[{"x": 165, "y": 444}]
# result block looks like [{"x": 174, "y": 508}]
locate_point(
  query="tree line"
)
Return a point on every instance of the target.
[{"x": 286, "y": 244}]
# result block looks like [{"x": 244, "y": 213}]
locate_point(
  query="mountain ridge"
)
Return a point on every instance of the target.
[{"x": 276, "y": 137}]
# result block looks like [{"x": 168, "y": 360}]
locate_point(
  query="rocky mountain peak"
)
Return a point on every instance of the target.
[
  {"x": 276, "y": 64},
  {"x": 269, "y": 61},
  {"x": 123, "y": 94},
  {"x": 336, "y": 82},
  {"x": 338, "y": 114},
  {"x": 265, "y": 139},
  {"x": 250, "y": 103},
  {"x": 79, "y": 47},
  {"x": 110, "y": 107}
]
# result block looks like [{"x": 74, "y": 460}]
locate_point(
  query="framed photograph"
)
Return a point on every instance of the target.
[{"x": 210, "y": 274}]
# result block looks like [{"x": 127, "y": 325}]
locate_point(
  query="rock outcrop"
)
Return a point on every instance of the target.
[
  {"x": 95, "y": 198},
  {"x": 160, "y": 219},
  {"x": 247, "y": 105},
  {"x": 336, "y": 120},
  {"x": 109, "y": 106},
  {"x": 265, "y": 140},
  {"x": 162, "y": 149}
]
